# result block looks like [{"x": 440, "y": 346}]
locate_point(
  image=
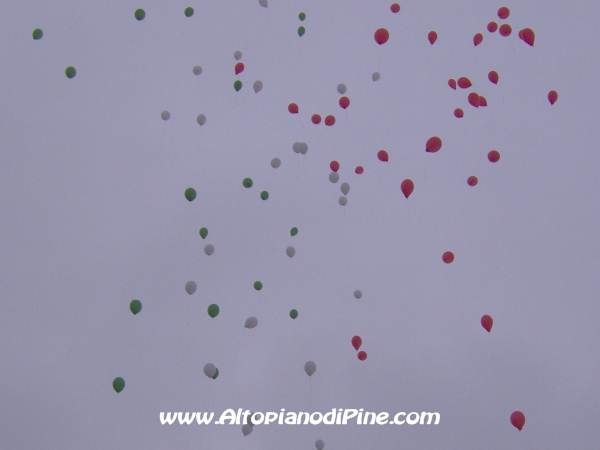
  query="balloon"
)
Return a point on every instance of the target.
[
  {"x": 263, "y": 3},
  {"x": 356, "y": 342},
  {"x": 201, "y": 119},
  {"x": 135, "y": 306},
  {"x": 503, "y": 13},
  {"x": 341, "y": 88},
  {"x": 246, "y": 429},
  {"x": 345, "y": 188},
  {"x": 189, "y": 11},
  {"x": 251, "y": 322},
  {"x": 70, "y": 72},
  {"x": 362, "y": 355},
  {"x": 334, "y": 177},
  {"x": 257, "y": 86},
  {"x": 492, "y": 27},
  {"x": 482, "y": 101},
  {"x": 290, "y": 251},
  {"x": 293, "y": 313},
  {"x": 344, "y": 102},
  {"x": 452, "y": 83},
  {"x": 407, "y": 187},
  {"x": 301, "y": 16},
  {"x": 359, "y": 170},
  {"x": 473, "y": 99},
  {"x": 37, "y": 34},
  {"x": 316, "y": 119},
  {"x": 494, "y": 156},
  {"x": 528, "y": 36},
  {"x": 395, "y": 8},
  {"x": 319, "y": 444},
  {"x": 209, "y": 370},
  {"x": 343, "y": 201},
  {"x": 472, "y": 180},
  {"x": 293, "y": 108},
  {"x": 487, "y": 322},
  {"x": 334, "y": 166},
  {"x": 264, "y": 195},
  {"x": 477, "y": 39},
  {"x": 310, "y": 368},
  {"x": 294, "y": 231},
  {"x": 518, "y": 420},
  {"x": 381, "y": 36},
  {"x": 209, "y": 249},
  {"x": 493, "y": 76},
  {"x": 458, "y": 113},
  {"x": 295, "y": 147},
  {"x": 375, "y": 76},
  {"x": 329, "y": 120},
  {"x": 301, "y": 31},
  {"x": 552, "y": 97},
  {"x": 505, "y": 29},
  {"x": 247, "y": 182},
  {"x": 432, "y": 36},
  {"x": 165, "y": 115},
  {"x": 448, "y": 257},
  {"x": 197, "y": 70},
  {"x": 464, "y": 83},
  {"x": 118, "y": 384},
  {"x": 237, "y": 55},
  {"x": 190, "y": 194},
  {"x": 213, "y": 311},
  {"x": 258, "y": 285},
  {"x": 433, "y": 144},
  {"x": 357, "y": 294},
  {"x": 275, "y": 163},
  {"x": 190, "y": 287},
  {"x": 303, "y": 147},
  {"x": 383, "y": 155},
  {"x": 140, "y": 14},
  {"x": 239, "y": 68},
  {"x": 237, "y": 85},
  {"x": 203, "y": 232}
]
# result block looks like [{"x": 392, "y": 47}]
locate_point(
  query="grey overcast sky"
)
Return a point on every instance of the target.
[{"x": 93, "y": 215}]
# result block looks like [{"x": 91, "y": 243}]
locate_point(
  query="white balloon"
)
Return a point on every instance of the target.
[
  {"x": 165, "y": 115},
  {"x": 197, "y": 70},
  {"x": 290, "y": 251},
  {"x": 190, "y": 287},
  {"x": 341, "y": 88},
  {"x": 334, "y": 177},
  {"x": 319, "y": 444},
  {"x": 345, "y": 188},
  {"x": 209, "y": 249},
  {"x": 296, "y": 147},
  {"x": 201, "y": 119},
  {"x": 375, "y": 76},
  {"x": 303, "y": 148},
  {"x": 357, "y": 294},
  {"x": 251, "y": 322},
  {"x": 343, "y": 201},
  {"x": 263, "y": 3},
  {"x": 257, "y": 86},
  {"x": 310, "y": 368},
  {"x": 275, "y": 163},
  {"x": 247, "y": 429},
  {"x": 210, "y": 370},
  {"x": 237, "y": 55}
]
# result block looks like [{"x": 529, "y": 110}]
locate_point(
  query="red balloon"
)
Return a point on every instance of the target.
[
  {"x": 395, "y": 8},
  {"x": 356, "y": 342},
  {"x": 505, "y": 29},
  {"x": 239, "y": 68},
  {"x": 482, "y": 101},
  {"x": 473, "y": 99},
  {"x": 487, "y": 323},
  {"x": 552, "y": 97},
  {"x": 521, "y": 34},
  {"x": 458, "y": 113},
  {"x": 518, "y": 420},
  {"x": 316, "y": 119},
  {"x": 492, "y": 27},
  {"x": 344, "y": 102},
  {"x": 493, "y": 76},
  {"x": 433, "y": 144},
  {"x": 381, "y": 36},
  {"x": 329, "y": 120},
  {"x": 382, "y": 155},
  {"x": 472, "y": 180},
  {"x": 432, "y": 36},
  {"x": 494, "y": 156},
  {"x": 407, "y": 187},
  {"x": 477, "y": 39},
  {"x": 293, "y": 108},
  {"x": 452, "y": 83},
  {"x": 362, "y": 355},
  {"x": 464, "y": 83},
  {"x": 359, "y": 170},
  {"x": 448, "y": 257},
  {"x": 503, "y": 13},
  {"x": 334, "y": 166},
  {"x": 528, "y": 36}
]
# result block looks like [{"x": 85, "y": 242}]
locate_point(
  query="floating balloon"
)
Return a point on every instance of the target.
[
  {"x": 473, "y": 99},
  {"x": 477, "y": 39},
  {"x": 344, "y": 102},
  {"x": 362, "y": 355},
  {"x": 37, "y": 34},
  {"x": 310, "y": 368},
  {"x": 503, "y": 13},
  {"x": 302, "y": 16},
  {"x": 482, "y": 101},
  {"x": 263, "y": 3},
  {"x": 210, "y": 370},
  {"x": 316, "y": 119},
  {"x": 301, "y": 31},
  {"x": 375, "y": 76},
  {"x": 190, "y": 287},
  {"x": 334, "y": 166},
  {"x": 294, "y": 231},
  {"x": 293, "y": 108},
  {"x": 139, "y": 14},
  {"x": 343, "y": 201},
  {"x": 357, "y": 294},
  {"x": 518, "y": 420},
  {"x": 493, "y": 76},
  {"x": 407, "y": 187},
  {"x": 458, "y": 113},
  {"x": 247, "y": 182},
  {"x": 275, "y": 163},
  {"x": 494, "y": 156},
  {"x": 190, "y": 194},
  {"x": 189, "y": 11},
  {"x": 341, "y": 88},
  {"x": 319, "y": 444},
  {"x": 505, "y": 29},
  {"x": 472, "y": 180},
  {"x": 487, "y": 322},
  {"x": 382, "y": 155},
  {"x": 70, "y": 73},
  {"x": 201, "y": 119},
  {"x": 237, "y": 85},
  {"x": 237, "y": 55},
  {"x": 448, "y": 257},
  {"x": 452, "y": 83},
  {"x": 303, "y": 147},
  {"x": 258, "y": 285},
  {"x": 296, "y": 147},
  {"x": 329, "y": 120},
  {"x": 345, "y": 188},
  {"x": 293, "y": 313},
  {"x": 135, "y": 306},
  {"x": 209, "y": 249},
  {"x": 165, "y": 115},
  {"x": 334, "y": 177},
  {"x": 464, "y": 83},
  {"x": 257, "y": 86},
  {"x": 290, "y": 251},
  {"x": 528, "y": 36},
  {"x": 552, "y": 97},
  {"x": 203, "y": 232},
  {"x": 381, "y": 36},
  {"x": 432, "y": 37},
  {"x": 213, "y": 311},
  {"x": 492, "y": 27},
  {"x": 395, "y": 8},
  {"x": 197, "y": 70},
  {"x": 251, "y": 322},
  {"x": 239, "y": 68},
  {"x": 433, "y": 144},
  {"x": 246, "y": 429},
  {"x": 359, "y": 170},
  {"x": 356, "y": 342},
  {"x": 264, "y": 195},
  {"x": 118, "y": 384}
]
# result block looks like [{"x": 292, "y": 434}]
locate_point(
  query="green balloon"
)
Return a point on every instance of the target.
[
  {"x": 293, "y": 313},
  {"x": 301, "y": 31},
  {"x": 214, "y": 377},
  {"x": 264, "y": 195},
  {"x": 301, "y": 16},
  {"x": 247, "y": 182},
  {"x": 70, "y": 72},
  {"x": 294, "y": 231},
  {"x": 237, "y": 85},
  {"x": 140, "y": 14},
  {"x": 203, "y": 232},
  {"x": 135, "y": 306},
  {"x": 213, "y": 310},
  {"x": 258, "y": 285},
  {"x": 189, "y": 11},
  {"x": 118, "y": 384},
  {"x": 37, "y": 34},
  {"x": 190, "y": 194}
]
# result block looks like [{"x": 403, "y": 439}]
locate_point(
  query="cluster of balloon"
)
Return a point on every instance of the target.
[
  {"x": 301, "y": 29},
  {"x": 300, "y": 147},
  {"x": 356, "y": 343}
]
